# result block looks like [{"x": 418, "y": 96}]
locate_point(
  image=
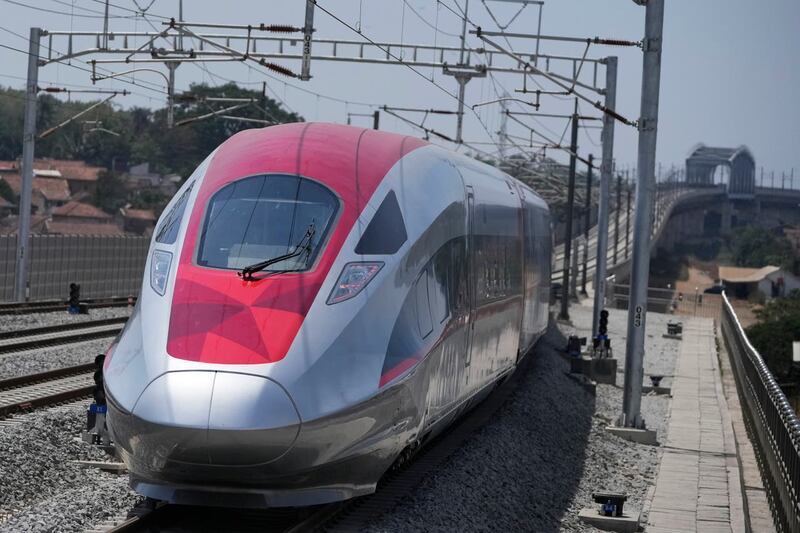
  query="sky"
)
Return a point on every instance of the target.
[{"x": 730, "y": 68}]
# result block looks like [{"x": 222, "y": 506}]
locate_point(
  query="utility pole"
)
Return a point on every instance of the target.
[
  {"x": 502, "y": 136},
  {"x": 462, "y": 74},
  {"x": 628, "y": 218},
  {"x": 28, "y": 145},
  {"x": 587, "y": 220},
  {"x": 631, "y": 416},
  {"x": 616, "y": 216},
  {"x": 564, "y": 314},
  {"x": 606, "y": 169},
  {"x": 308, "y": 33},
  {"x": 171, "y": 66},
  {"x": 264, "y": 100}
]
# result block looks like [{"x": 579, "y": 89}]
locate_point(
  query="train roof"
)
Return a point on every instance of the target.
[{"x": 350, "y": 160}]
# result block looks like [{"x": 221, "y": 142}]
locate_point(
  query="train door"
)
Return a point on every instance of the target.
[{"x": 470, "y": 278}]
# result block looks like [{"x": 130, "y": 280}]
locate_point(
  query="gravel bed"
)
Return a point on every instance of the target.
[
  {"x": 531, "y": 469},
  {"x": 536, "y": 465},
  {"x": 42, "y": 489},
  {"x": 659, "y": 359},
  {"x": 51, "y": 358},
  {"x": 38, "y": 320}
]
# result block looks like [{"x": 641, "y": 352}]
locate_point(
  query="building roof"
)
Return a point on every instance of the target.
[
  {"x": 81, "y": 228},
  {"x": 10, "y": 224},
  {"x": 80, "y": 209},
  {"x": 53, "y": 189},
  {"x": 139, "y": 214},
  {"x": 745, "y": 275},
  {"x": 70, "y": 170}
]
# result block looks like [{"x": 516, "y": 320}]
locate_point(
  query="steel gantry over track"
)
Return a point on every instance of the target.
[
  {"x": 281, "y": 47},
  {"x": 271, "y": 46}
]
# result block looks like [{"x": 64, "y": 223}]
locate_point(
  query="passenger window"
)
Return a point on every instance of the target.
[
  {"x": 167, "y": 233},
  {"x": 386, "y": 232},
  {"x": 423, "y": 306}
]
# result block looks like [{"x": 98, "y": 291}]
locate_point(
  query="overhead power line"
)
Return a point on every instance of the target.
[{"x": 56, "y": 12}]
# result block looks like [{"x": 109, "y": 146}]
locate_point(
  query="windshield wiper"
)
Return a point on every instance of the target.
[{"x": 304, "y": 246}]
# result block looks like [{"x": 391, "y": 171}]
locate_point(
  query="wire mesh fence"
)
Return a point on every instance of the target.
[
  {"x": 669, "y": 301},
  {"x": 103, "y": 265}
]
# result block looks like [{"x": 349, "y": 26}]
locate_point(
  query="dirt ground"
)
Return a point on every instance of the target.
[
  {"x": 701, "y": 277},
  {"x": 694, "y": 302}
]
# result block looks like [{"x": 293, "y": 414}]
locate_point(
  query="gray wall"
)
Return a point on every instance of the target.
[{"x": 103, "y": 265}]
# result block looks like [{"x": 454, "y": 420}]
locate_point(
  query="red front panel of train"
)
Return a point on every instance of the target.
[{"x": 216, "y": 316}]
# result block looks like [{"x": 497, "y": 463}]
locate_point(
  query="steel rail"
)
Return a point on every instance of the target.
[
  {"x": 45, "y": 389},
  {"x": 15, "y": 341},
  {"x": 57, "y": 328},
  {"x": 30, "y": 379},
  {"x": 16, "y": 308}
]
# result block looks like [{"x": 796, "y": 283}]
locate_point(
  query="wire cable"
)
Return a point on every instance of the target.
[
  {"x": 72, "y": 65},
  {"x": 425, "y": 21},
  {"x": 46, "y": 10},
  {"x": 389, "y": 53}
]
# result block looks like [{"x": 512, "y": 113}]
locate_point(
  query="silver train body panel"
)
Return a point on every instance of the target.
[{"x": 465, "y": 295}]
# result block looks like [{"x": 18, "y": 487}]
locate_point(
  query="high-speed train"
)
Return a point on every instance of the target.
[{"x": 319, "y": 299}]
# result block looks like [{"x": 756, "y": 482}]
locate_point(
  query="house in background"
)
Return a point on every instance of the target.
[
  {"x": 139, "y": 221},
  {"x": 81, "y": 177},
  {"x": 77, "y": 218},
  {"x": 139, "y": 177},
  {"x": 763, "y": 283},
  {"x": 49, "y": 189}
]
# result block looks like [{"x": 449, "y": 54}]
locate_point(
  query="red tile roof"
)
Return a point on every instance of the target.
[
  {"x": 53, "y": 189},
  {"x": 10, "y": 224},
  {"x": 71, "y": 170},
  {"x": 79, "y": 209},
  {"x": 82, "y": 228}
]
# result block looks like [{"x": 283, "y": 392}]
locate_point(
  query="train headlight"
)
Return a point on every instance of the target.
[
  {"x": 352, "y": 280},
  {"x": 159, "y": 271}
]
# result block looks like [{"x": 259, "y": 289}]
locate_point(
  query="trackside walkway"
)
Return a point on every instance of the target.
[{"x": 698, "y": 487}]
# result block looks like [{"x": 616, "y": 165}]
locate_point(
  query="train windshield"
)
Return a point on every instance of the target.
[{"x": 261, "y": 217}]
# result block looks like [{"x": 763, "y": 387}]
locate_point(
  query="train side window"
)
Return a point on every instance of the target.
[
  {"x": 167, "y": 233},
  {"x": 423, "y": 305},
  {"x": 386, "y": 232}
]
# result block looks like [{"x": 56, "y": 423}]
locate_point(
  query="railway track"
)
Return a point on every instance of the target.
[
  {"x": 25, "y": 339},
  {"x": 353, "y": 515},
  {"x": 47, "y": 306},
  {"x": 46, "y": 388}
]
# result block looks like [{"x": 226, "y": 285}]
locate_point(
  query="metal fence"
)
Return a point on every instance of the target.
[
  {"x": 670, "y": 301},
  {"x": 103, "y": 265},
  {"x": 772, "y": 424}
]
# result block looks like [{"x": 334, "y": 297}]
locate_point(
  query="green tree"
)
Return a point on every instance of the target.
[
  {"x": 6, "y": 192},
  {"x": 139, "y": 134},
  {"x": 754, "y": 246},
  {"x": 11, "y": 120},
  {"x": 778, "y": 327},
  {"x": 110, "y": 194}
]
